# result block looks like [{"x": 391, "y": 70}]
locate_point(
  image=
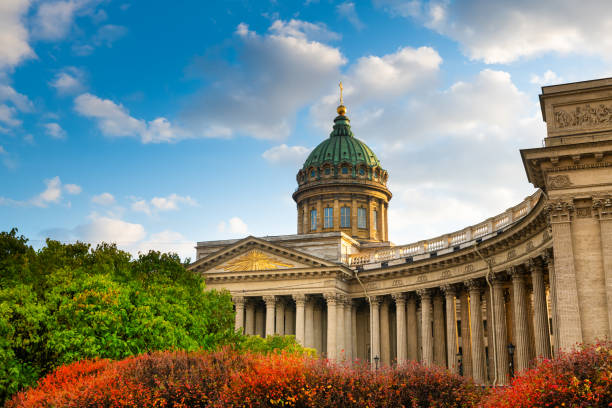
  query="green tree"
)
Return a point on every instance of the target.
[{"x": 68, "y": 302}]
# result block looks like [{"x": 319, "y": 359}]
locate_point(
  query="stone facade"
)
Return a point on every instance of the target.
[{"x": 538, "y": 276}]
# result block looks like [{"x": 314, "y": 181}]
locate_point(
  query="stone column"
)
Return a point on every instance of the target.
[
  {"x": 300, "y": 300},
  {"x": 353, "y": 216},
  {"x": 490, "y": 364},
  {"x": 348, "y": 329},
  {"x": 332, "y": 325},
  {"x": 319, "y": 215},
  {"x": 476, "y": 330},
  {"x": 383, "y": 221},
  {"x": 385, "y": 346},
  {"x": 336, "y": 215},
  {"x": 540, "y": 310},
  {"x": 499, "y": 328},
  {"x": 400, "y": 316},
  {"x": 569, "y": 330},
  {"x": 550, "y": 265},
  {"x": 426, "y": 327},
  {"x": 375, "y": 328},
  {"x": 289, "y": 320},
  {"x": 280, "y": 317},
  {"x": 439, "y": 338},
  {"x": 306, "y": 219},
  {"x": 603, "y": 210},
  {"x": 309, "y": 340},
  {"x": 340, "y": 338},
  {"x": 354, "y": 329},
  {"x": 270, "y": 308},
  {"x": 373, "y": 232},
  {"x": 412, "y": 328},
  {"x": 319, "y": 329},
  {"x": 521, "y": 331},
  {"x": 260, "y": 321},
  {"x": 451, "y": 329},
  {"x": 239, "y": 304},
  {"x": 466, "y": 338},
  {"x": 250, "y": 317}
]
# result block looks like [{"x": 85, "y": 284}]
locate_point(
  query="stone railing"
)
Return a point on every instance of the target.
[{"x": 449, "y": 242}]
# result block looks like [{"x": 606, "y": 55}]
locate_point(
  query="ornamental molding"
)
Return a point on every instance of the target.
[
  {"x": 583, "y": 116},
  {"x": 255, "y": 260},
  {"x": 559, "y": 181}
]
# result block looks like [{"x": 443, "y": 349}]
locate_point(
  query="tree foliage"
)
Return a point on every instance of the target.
[{"x": 67, "y": 302}]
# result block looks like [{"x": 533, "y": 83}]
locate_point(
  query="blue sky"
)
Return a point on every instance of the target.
[{"x": 157, "y": 124}]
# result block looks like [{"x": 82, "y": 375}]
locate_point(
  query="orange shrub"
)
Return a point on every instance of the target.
[
  {"x": 582, "y": 378},
  {"x": 228, "y": 379}
]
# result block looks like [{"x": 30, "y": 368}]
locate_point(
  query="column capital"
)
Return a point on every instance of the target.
[
  {"x": 549, "y": 257},
  {"x": 449, "y": 290},
  {"x": 473, "y": 284},
  {"x": 602, "y": 207},
  {"x": 375, "y": 300},
  {"x": 498, "y": 279},
  {"x": 424, "y": 293},
  {"x": 331, "y": 298},
  {"x": 238, "y": 300},
  {"x": 269, "y": 299},
  {"x": 399, "y": 298},
  {"x": 299, "y": 298},
  {"x": 348, "y": 301},
  {"x": 516, "y": 273},
  {"x": 535, "y": 265}
]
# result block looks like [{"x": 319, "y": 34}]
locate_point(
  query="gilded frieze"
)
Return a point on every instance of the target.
[{"x": 255, "y": 260}]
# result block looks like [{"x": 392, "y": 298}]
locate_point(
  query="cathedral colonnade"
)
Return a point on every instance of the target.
[
  {"x": 484, "y": 301},
  {"x": 504, "y": 318}
]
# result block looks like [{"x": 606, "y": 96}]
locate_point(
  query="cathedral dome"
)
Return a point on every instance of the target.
[{"x": 342, "y": 147}]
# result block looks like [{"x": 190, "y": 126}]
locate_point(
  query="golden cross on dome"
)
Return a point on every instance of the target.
[{"x": 340, "y": 85}]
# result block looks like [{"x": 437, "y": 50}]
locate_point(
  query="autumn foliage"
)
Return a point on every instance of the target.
[
  {"x": 582, "y": 378},
  {"x": 226, "y": 378}
]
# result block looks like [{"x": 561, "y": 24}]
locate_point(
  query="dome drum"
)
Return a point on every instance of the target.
[{"x": 342, "y": 187}]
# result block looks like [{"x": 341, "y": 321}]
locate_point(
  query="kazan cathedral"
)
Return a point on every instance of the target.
[{"x": 483, "y": 301}]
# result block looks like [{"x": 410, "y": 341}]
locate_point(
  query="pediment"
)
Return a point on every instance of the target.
[{"x": 254, "y": 254}]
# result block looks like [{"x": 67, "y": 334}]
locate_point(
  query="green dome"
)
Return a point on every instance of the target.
[{"x": 342, "y": 147}]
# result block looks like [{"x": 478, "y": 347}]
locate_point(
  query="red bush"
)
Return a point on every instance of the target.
[
  {"x": 582, "y": 378},
  {"x": 226, "y": 378}
]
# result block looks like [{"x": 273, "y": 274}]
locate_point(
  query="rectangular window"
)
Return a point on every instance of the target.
[
  {"x": 328, "y": 217},
  {"x": 375, "y": 220},
  {"x": 313, "y": 220},
  {"x": 345, "y": 217},
  {"x": 361, "y": 218}
]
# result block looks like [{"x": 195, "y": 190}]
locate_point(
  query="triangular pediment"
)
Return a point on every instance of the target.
[{"x": 255, "y": 254}]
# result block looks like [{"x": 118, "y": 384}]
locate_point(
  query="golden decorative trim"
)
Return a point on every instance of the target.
[{"x": 255, "y": 260}]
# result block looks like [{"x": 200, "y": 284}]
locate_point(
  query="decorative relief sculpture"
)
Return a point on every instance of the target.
[
  {"x": 255, "y": 260},
  {"x": 560, "y": 181},
  {"x": 583, "y": 116},
  {"x": 529, "y": 245},
  {"x": 511, "y": 254},
  {"x": 584, "y": 212}
]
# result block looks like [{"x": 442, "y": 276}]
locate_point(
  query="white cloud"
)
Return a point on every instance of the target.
[
  {"x": 141, "y": 206},
  {"x": 549, "y": 78},
  {"x": 374, "y": 82},
  {"x": 347, "y": 10},
  {"x": 277, "y": 74},
  {"x": 104, "y": 199},
  {"x": 297, "y": 29},
  {"x": 52, "y": 194},
  {"x": 128, "y": 236},
  {"x": 2, "y": 151},
  {"x": 289, "y": 155},
  {"x": 506, "y": 30},
  {"x": 11, "y": 103},
  {"x": 54, "y": 130},
  {"x": 69, "y": 81},
  {"x": 115, "y": 121},
  {"x": 106, "y": 229},
  {"x": 108, "y": 34},
  {"x": 14, "y": 46},
  {"x": 73, "y": 189},
  {"x": 234, "y": 227},
  {"x": 170, "y": 203},
  {"x": 53, "y": 20}
]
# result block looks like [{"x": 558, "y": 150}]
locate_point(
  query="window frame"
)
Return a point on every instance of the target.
[
  {"x": 328, "y": 217},
  {"x": 345, "y": 217}
]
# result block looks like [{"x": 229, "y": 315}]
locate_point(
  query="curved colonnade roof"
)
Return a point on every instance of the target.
[{"x": 446, "y": 243}]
